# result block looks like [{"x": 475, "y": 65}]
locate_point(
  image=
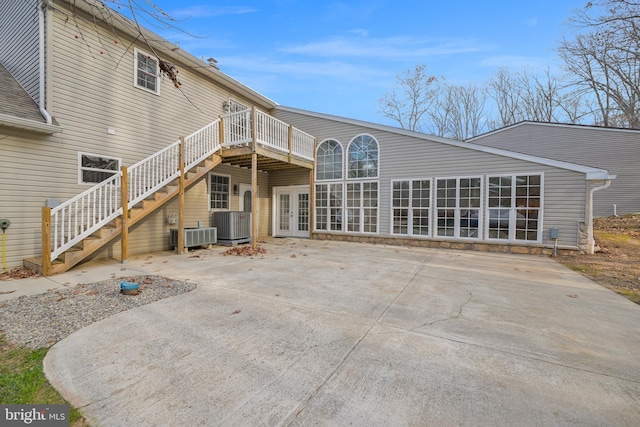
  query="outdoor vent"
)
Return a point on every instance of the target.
[
  {"x": 194, "y": 237},
  {"x": 232, "y": 226}
]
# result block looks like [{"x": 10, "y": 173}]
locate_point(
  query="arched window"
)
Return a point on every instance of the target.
[
  {"x": 363, "y": 157},
  {"x": 329, "y": 160}
]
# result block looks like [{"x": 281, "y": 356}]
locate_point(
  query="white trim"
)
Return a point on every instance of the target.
[
  {"x": 328, "y": 208},
  {"x": 346, "y": 159},
  {"x": 41, "y": 66},
  {"x": 361, "y": 208},
  {"x": 28, "y": 125},
  {"x": 137, "y": 51},
  {"x": 293, "y": 190},
  {"x": 590, "y": 173},
  {"x": 512, "y": 219},
  {"x": 229, "y": 192},
  {"x": 410, "y": 208},
  {"x": 80, "y": 168},
  {"x": 458, "y": 208},
  {"x": 342, "y": 166},
  {"x": 545, "y": 124}
]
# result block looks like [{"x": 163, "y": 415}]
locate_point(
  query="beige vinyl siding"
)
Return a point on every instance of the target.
[
  {"x": 88, "y": 95},
  {"x": 152, "y": 233},
  {"x": 287, "y": 177},
  {"x": 27, "y": 176},
  {"x": 617, "y": 150},
  {"x": 406, "y": 157},
  {"x": 19, "y": 37}
]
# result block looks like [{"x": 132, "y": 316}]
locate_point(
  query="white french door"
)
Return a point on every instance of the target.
[{"x": 291, "y": 211}]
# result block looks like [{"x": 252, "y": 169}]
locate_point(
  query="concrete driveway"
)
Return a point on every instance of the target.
[{"x": 338, "y": 334}]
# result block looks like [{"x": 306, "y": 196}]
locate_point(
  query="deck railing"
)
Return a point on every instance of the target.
[
  {"x": 81, "y": 216},
  {"x": 237, "y": 128}
]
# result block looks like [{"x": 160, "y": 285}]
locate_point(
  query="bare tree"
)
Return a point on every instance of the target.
[
  {"x": 459, "y": 112},
  {"x": 503, "y": 87},
  {"x": 604, "y": 60},
  {"x": 408, "y": 102},
  {"x": 527, "y": 95},
  {"x": 126, "y": 15}
]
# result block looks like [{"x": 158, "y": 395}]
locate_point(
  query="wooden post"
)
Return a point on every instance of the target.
[
  {"x": 221, "y": 130},
  {"x": 46, "y": 241},
  {"x": 312, "y": 200},
  {"x": 254, "y": 200},
  {"x": 124, "y": 201},
  {"x": 180, "y": 247}
]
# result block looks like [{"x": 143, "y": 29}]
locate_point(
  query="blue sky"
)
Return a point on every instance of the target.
[{"x": 341, "y": 57}]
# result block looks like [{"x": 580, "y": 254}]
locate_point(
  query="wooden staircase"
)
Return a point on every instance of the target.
[
  {"x": 82, "y": 225},
  {"x": 113, "y": 229}
]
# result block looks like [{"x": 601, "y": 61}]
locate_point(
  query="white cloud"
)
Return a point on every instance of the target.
[
  {"x": 207, "y": 11},
  {"x": 391, "y": 48},
  {"x": 532, "y": 22}
]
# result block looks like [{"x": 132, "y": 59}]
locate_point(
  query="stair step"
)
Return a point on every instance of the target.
[{"x": 92, "y": 243}]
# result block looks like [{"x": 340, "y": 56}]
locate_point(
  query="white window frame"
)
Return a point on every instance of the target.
[
  {"x": 458, "y": 209},
  {"x": 342, "y": 168},
  {"x": 137, "y": 52},
  {"x": 361, "y": 208},
  {"x": 513, "y": 209},
  {"x": 410, "y": 208},
  {"x": 228, "y": 193},
  {"x": 346, "y": 159},
  {"x": 81, "y": 168},
  {"x": 327, "y": 209}
]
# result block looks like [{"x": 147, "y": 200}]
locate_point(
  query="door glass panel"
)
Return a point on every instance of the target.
[
  {"x": 285, "y": 208},
  {"x": 303, "y": 212},
  {"x": 247, "y": 201}
]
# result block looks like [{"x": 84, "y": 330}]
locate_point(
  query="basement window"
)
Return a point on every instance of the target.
[{"x": 94, "y": 169}]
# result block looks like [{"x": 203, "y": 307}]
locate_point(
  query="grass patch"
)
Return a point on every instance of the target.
[
  {"x": 631, "y": 294},
  {"x": 617, "y": 264},
  {"x": 22, "y": 379}
]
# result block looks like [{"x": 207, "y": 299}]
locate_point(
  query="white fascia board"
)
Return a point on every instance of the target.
[
  {"x": 590, "y": 172},
  {"x": 28, "y": 125}
]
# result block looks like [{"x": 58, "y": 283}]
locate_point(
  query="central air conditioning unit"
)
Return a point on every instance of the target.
[
  {"x": 233, "y": 227},
  {"x": 194, "y": 237}
]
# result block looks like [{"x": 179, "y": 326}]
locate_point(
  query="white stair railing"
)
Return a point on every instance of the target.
[{"x": 83, "y": 215}]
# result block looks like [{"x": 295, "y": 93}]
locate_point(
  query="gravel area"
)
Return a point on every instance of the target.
[{"x": 42, "y": 320}]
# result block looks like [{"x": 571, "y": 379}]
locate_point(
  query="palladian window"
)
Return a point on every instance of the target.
[
  {"x": 363, "y": 157},
  {"x": 329, "y": 160}
]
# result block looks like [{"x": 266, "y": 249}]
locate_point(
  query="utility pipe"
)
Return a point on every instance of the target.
[
  {"x": 42, "y": 68},
  {"x": 591, "y": 241}
]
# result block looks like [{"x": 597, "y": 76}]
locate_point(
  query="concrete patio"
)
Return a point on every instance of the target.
[{"x": 337, "y": 334}]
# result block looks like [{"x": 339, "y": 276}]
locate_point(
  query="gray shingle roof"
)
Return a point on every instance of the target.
[{"x": 14, "y": 100}]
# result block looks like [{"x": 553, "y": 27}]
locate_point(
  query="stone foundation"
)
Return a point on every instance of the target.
[{"x": 440, "y": 244}]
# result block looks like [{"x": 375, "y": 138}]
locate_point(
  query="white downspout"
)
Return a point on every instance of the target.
[
  {"x": 42, "y": 69},
  {"x": 591, "y": 245}
]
